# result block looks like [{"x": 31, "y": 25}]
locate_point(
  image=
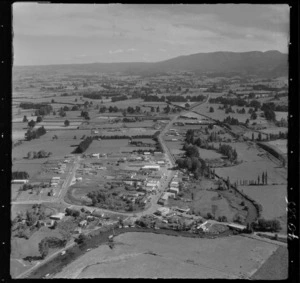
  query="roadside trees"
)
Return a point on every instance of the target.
[{"x": 43, "y": 248}]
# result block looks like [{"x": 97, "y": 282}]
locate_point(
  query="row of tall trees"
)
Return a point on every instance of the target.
[{"x": 83, "y": 146}]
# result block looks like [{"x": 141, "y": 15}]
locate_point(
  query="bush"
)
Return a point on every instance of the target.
[{"x": 82, "y": 238}]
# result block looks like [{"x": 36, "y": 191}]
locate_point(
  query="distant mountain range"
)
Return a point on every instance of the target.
[{"x": 269, "y": 64}]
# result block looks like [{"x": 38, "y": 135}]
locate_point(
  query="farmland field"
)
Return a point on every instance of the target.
[
  {"x": 272, "y": 199},
  {"x": 280, "y": 144},
  {"x": 154, "y": 256},
  {"x": 254, "y": 162}
]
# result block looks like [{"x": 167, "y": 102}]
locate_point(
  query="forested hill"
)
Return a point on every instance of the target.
[{"x": 269, "y": 63}]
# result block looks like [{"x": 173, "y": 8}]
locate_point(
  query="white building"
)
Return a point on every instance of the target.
[
  {"x": 163, "y": 211},
  {"x": 20, "y": 181},
  {"x": 58, "y": 216},
  {"x": 151, "y": 167}
]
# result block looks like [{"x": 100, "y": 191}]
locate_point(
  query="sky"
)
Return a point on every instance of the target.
[{"x": 46, "y": 34}]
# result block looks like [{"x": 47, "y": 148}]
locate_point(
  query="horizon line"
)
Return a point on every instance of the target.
[{"x": 147, "y": 62}]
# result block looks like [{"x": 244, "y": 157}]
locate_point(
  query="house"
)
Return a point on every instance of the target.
[
  {"x": 174, "y": 190},
  {"x": 162, "y": 201},
  {"x": 147, "y": 153},
  {"x": 58, "y": 216},
  {"x": 83, "y": 223},
  {"x": 79, "y": 179},
  {"x": 163, "y": 211},
  {"x": 96, "y": 155},
  {"x": 47, "y": 223},
  {"x": 77, "y": 230},
  {"x": 161, "y": 162},
  {"x": 174, "y": 184}
]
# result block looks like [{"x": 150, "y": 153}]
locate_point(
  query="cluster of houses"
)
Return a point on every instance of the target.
[
  {"x": 172, "y": 191},
  {"x": 54, "y": 182}
]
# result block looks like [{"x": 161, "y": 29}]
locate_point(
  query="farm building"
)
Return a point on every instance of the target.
[
  {"x": 151, "y": 167},
  {"x": 237, "y": 227},
  {"x": 23, "y": 181},
  {"x": 58, "y": 216},
  {"x": 79, "y": 179},
  {"x": 96, "y": 155}
]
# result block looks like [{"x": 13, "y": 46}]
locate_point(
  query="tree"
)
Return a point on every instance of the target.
[
  {"x": 259, "y": 136},
  {"x": 211, "y": 109},
  {"x": 39, "y": 119},
  {"x": 252, "y": 136},
  {"x": 266, "y": 178},
  {"x": 43, "y": 248},
  {"x": 263, "y": 178},
  {"x": 81, "y": 239},
  {"x": 253, "y": 116},
  {"x": 31, "y": 124},
  {"x": 258, "y": 180},
  {"x": 52, "y": 100},
  {"x": 25, "y": 119},
  {"x": 67, "y": 123},
  {"x": 75, "y": 138}
]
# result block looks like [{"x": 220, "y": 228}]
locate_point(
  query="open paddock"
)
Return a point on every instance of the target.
[
  {"x": 281, "y": 115},
  {"x": 154, "y": 256},
  {"x": 274, "y": 130},
  {"x": 32, "y": 167},
  {"x": 254, "y": 162},
  {"x": 280, "y": 144},
  {"x": 272, "y": 199}
]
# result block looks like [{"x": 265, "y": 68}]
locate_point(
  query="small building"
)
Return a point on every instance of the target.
[
  {"x": 77, "y": 230},
  {"x": 147, "y": 153},
  {"x": 163, "y": 211},
  {"x": 96, "y": 155},
  {"x": 237, "y": 227},
  {"x": 161, "y": 162},
  {"x": 79, "y": 179},
  {"x": 47, "y": 223},
  {"x": 56, "y": 178},
  {"x": 174, "y": 184},
  {"x": 174, "y": 190},
  {"x": 151, "y": 167},
  {"x": 58, "y": 216},
  {"x": 83, "y": 223}
]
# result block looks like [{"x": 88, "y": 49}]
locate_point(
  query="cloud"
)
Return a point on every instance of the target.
[{"x": 131, "y": 50}]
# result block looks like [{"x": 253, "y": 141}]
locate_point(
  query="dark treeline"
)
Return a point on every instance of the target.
[
  {"x": 83, "y": 146},
  {"x": 228, "y": 151},
  {"x": 17, "y": 175},
  {"x": 34, "y": 134},
  {"x": 229, "y": 101},
  {"x": 231, "y": 121},
  {"x": 154, "y": 98},
  {"x": 93, "y": 95},
  {"x": 31, "y": 105},
  {"x": 119, "y": 98},
  {"x": 192, "y": 162}
]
